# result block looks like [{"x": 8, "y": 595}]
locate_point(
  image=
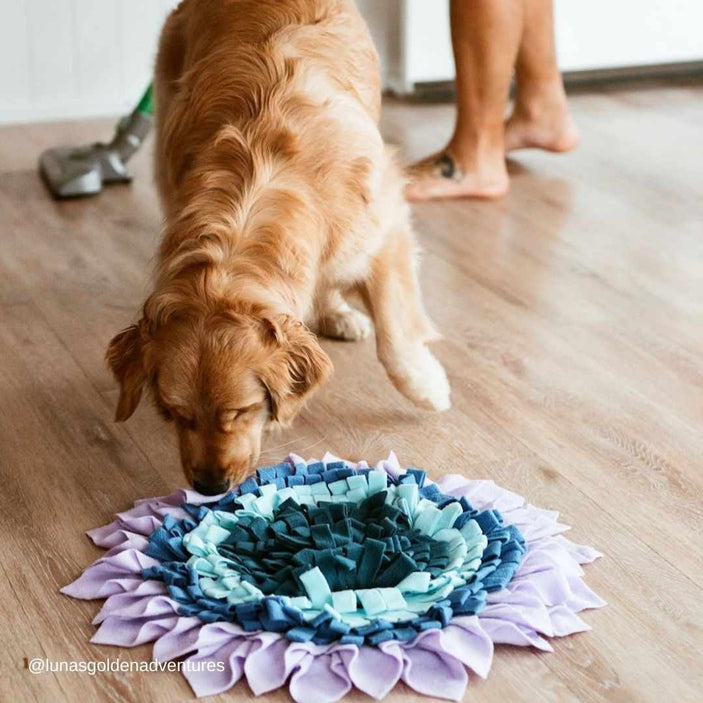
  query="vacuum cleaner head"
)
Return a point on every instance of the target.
[{"x": 71, "y": 172}]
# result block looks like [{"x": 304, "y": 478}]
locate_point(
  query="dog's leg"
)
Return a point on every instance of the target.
[
  {"x": 392, "y": 294},
  {"x": 338, "y": 320}
]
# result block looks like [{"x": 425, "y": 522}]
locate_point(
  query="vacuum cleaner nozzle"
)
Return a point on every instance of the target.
[{"x": 71, "y": 172}]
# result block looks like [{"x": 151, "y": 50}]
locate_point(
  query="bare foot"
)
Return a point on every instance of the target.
[
  {"x": 541, "y": 124},
  {"x": 444, "y": 175}
]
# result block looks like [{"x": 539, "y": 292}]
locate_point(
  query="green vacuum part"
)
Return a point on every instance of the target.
[
  {"x": 146, "y": 104},
  {"x": 71, "y": 171}
]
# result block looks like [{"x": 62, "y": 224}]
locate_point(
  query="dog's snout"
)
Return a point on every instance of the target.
[{"x": 211, "y": 486}]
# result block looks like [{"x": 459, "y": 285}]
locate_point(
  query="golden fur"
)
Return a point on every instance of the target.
[{"x": 279, "y": 197}]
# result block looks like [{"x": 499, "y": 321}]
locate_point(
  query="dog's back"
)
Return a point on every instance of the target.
[{"x": 242, "y": 84}]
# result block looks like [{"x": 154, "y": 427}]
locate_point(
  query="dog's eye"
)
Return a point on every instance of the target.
[
  {"x": 226, "y": 418},
  {"x": 185, "y": 419},
  {"x": 165, "y": 413}
]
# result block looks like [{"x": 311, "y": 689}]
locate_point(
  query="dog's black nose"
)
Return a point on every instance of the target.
[{"x": 211, "y": 488}]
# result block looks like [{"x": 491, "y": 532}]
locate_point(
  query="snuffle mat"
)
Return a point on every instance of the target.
[{"x": 328, "y": 575}]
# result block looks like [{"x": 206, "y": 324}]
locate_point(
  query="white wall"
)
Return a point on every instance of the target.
[
  {"x": 614, "y": 33},
  {"x": 75, "y": 58},
  {"x": 383, "y": 18}
]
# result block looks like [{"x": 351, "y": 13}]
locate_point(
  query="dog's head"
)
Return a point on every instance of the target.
[{"x": 220, "y": 378}]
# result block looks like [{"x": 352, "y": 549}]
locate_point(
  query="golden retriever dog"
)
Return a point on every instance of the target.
[{"x": 279, "y": 198}]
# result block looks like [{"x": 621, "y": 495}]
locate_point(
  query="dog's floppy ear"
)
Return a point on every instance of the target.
[
  {"x": 295, "y": 369},
  {"x": 124, "y": 356}
]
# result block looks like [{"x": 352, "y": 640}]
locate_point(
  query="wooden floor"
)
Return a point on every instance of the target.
[{"x": 573, "y": 320}]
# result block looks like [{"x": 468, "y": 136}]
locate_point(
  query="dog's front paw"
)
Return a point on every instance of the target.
[
  {"x": 422, "y": 379},
  {"x": 350, "y": 325}
]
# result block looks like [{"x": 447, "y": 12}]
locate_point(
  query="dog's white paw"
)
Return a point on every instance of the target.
[
  {"x": 350, "y": 325},
  {"x": 422, "y": 379}
]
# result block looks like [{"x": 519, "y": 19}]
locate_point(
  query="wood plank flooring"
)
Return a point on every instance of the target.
[{"x": 573, "y": 319}]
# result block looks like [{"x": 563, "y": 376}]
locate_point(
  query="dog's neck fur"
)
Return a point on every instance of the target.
[{"x": 240, "y": 226}]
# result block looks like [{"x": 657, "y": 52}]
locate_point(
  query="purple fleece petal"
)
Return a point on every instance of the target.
[
  {"x": 565, "y": 621},
  {"x": 100, "y": 581},
  {"x": 215, "y": 634},
  {"x": 266, "y": 668},
  {"x": 143, "y": 525},
  {"x": 535, "y": 523},
  {"x": 374, "y": 670},
  {"x": 582, "y": 597},
  {"x": 101, "y": 535},
  {"x": 180, "y": 640},
  {"x": 433, "y": 673},
  {"x": 127, "y": 606},
  {"x": 522, "y": 610},
  {"x": 390, "y": 465},
  {"x": 211, "y": 682},
  {"x": 116, "y": 536},
  {"x": 129, "y": 540},
  {"x": 132, "y": 632},
  {"x": 481, "y": 494},
  {"x": 449, "y": 483},
  {"x": 158, "y": 508},
  {"x": 128, "y": 561},
  {"x": 507, "y": 632},
  {"x": 107, "y": 575},
  {"x": 465, "y": 639},
  {"x": 535, "y": 617},
  {"x": 321, "y": 679},
  {"x": 551, "y": 585},
  {"x": 580, "y": 552}
]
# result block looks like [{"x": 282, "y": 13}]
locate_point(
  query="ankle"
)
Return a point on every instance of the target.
[
  {"x": 538, "y": 100},
  {"x": 541, "y": 120},
  {"x": 473, "y": 150}
]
